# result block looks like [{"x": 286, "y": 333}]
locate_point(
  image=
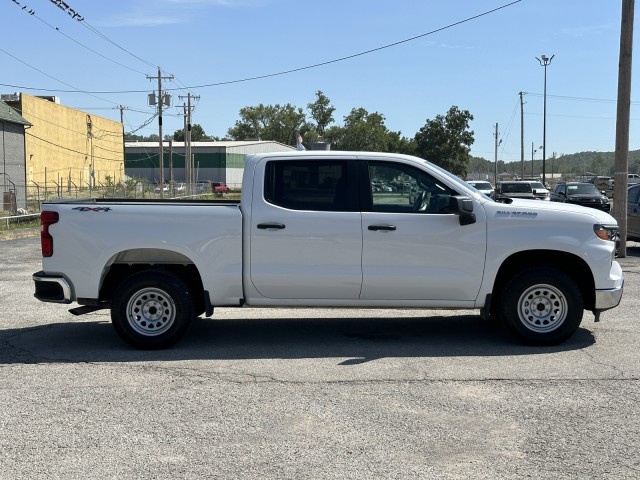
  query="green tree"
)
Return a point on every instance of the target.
[
  {"x": 269, "y": 122},
  {"x": 361, "y": 131},
  {"x": 197, "y": 134},
  {"x": 446, "y": 141},
  {"x": 322, "y": 113},
  {"x": 130, "y": 137},
  {"x": 400, "y": 144}
]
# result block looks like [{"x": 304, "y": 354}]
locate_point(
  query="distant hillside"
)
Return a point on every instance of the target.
[{"x": 575, "y": 164}]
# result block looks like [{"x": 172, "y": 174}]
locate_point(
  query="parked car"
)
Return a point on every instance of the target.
[
  {"x": 632, "y": 179},
  {"x": 482, "y": 186},
  {"x": 579, "y": 193},
  {"x": 516, "y": 189},
  {"x": 219, "y": 188},
  {"x": 161, "y": 188},
  {"x": 202, "y": 186},
  {"x": 540, "y": 191},
  {"x": 633, "y": 212}
]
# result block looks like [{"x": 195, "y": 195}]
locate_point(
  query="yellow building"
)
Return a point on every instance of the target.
[{"x": 67, "y": 150}]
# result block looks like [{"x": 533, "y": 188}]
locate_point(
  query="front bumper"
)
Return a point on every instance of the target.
[
  {"x": 51, "y": 288},
  {"x": 607, "y": 298}
]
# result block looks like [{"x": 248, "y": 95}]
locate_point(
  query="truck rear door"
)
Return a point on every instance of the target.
[{"x": 306, "y": 233}]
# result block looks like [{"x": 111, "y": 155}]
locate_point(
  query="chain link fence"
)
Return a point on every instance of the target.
[{"x": 22, "y": 200}]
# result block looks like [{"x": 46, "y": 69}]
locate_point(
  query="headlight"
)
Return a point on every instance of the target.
[{"x": 606, "y": 232}]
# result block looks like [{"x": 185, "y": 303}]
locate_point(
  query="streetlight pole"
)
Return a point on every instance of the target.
[
  {"x": 496, "y": 155},
  {"x": 532, "y": 152},
  {"x": 544, "y": 61}
]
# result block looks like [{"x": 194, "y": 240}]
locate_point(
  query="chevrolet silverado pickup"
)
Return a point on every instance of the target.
[{"x": 311, "y": 231}]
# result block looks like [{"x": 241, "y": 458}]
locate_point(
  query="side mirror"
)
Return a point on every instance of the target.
[{"x": 462, "y": 206}]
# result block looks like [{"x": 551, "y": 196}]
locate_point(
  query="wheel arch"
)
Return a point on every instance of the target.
[
  {"x": 129, "y": 262},
  {"x": 568, "y": 263}
]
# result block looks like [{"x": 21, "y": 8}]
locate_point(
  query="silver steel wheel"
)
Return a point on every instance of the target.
[
  {"x": 542, "y": 308},
  {"x": 151, "y": 312}
]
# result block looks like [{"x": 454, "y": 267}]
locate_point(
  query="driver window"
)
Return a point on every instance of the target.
[{"x": 405, "y": 189}]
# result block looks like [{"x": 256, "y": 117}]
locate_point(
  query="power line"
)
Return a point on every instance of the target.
[
  {"x": 83, "y": 133},
  {"x": 65, "y": 7},
  {"x": 32, "y": 13},
  {"x": 100, "y": 34},
  {"x": 53, "y": 78},
  {"x": 580, "y": 99},
  {"x": 293, "y": 70},
  {"x": 72, "y": 150}
]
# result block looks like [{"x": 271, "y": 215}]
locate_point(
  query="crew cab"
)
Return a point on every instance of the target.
[
  {"x": 311, "y": 231},
  {"x": 516, "y": 189}
]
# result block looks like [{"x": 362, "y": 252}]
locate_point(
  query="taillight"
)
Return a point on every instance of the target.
[{"x": 46, "y": 240}]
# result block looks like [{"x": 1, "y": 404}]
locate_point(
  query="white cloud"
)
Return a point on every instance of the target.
[
  {"x": 142, "y": 21},
  {"x": 587, "y": 31}
]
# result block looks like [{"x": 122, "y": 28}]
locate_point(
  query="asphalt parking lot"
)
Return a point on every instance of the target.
[{"x": 313, "y": 394}]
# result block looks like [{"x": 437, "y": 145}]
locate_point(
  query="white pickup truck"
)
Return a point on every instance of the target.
[{"x": 331, "y": 229}]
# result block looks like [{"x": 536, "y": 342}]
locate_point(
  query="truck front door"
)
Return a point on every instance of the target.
[{"x": 413, "y": 249}]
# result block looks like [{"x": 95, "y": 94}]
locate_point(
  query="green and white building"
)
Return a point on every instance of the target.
[{"x": 212, "y": 161}]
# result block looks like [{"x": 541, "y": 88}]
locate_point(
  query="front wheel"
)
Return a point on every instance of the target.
[
  {"x": 542, "y": 306},
  {"x": 152, "y": 309}
]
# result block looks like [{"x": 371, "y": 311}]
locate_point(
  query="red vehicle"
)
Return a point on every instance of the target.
[{"x": 219, "y": 188}]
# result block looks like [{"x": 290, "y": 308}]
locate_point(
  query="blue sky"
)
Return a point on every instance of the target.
[{"x": 478, "y": 64}]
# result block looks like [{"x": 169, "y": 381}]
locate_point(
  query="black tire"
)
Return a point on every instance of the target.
[
  {"x": 542, "y": 306},
  {"x": 152, "y": 309}
]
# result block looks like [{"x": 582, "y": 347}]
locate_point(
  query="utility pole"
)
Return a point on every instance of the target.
[
  {"x": 187, "y": 137},
  {"x": 92, "y": 173},
  {"x": 496, "y": 155},
  {"x": 171, "y": 184},
  {"x": 187, "y": 163},
  {"x": 622, "y": 124},
  {"x": 161, "y": 99},
  {"x": 122, "y": 108},
  {"x": 521, "y": 136}
]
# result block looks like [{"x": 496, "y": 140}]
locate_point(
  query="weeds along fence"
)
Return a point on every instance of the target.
[
  {"x": 31, "y": 197},
  {"x": 12, "y": 222},
  {"x": 38, "y": 194}
]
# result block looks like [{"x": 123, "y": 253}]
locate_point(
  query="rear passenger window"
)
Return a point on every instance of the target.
[{"x": 307, "y": 184}]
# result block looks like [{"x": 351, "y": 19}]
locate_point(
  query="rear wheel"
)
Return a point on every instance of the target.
[
  {"x": 152, "y": 309},
  {"x": 542, "y": 306}
]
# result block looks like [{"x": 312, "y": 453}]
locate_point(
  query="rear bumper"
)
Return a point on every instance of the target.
[{"x": 51, "y": 288}]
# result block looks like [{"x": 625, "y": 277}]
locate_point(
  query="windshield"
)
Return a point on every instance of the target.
[
  {"x": 516, "y": 188},
  {"x": 481, "y": 185},
  {"x": 583, "y": 188},
  {"x": 536, "y": 185},
  {"x": 456, "y": 180}
]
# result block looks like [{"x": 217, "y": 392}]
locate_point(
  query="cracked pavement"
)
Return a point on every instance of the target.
[{"x": 313, "y": 394}]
